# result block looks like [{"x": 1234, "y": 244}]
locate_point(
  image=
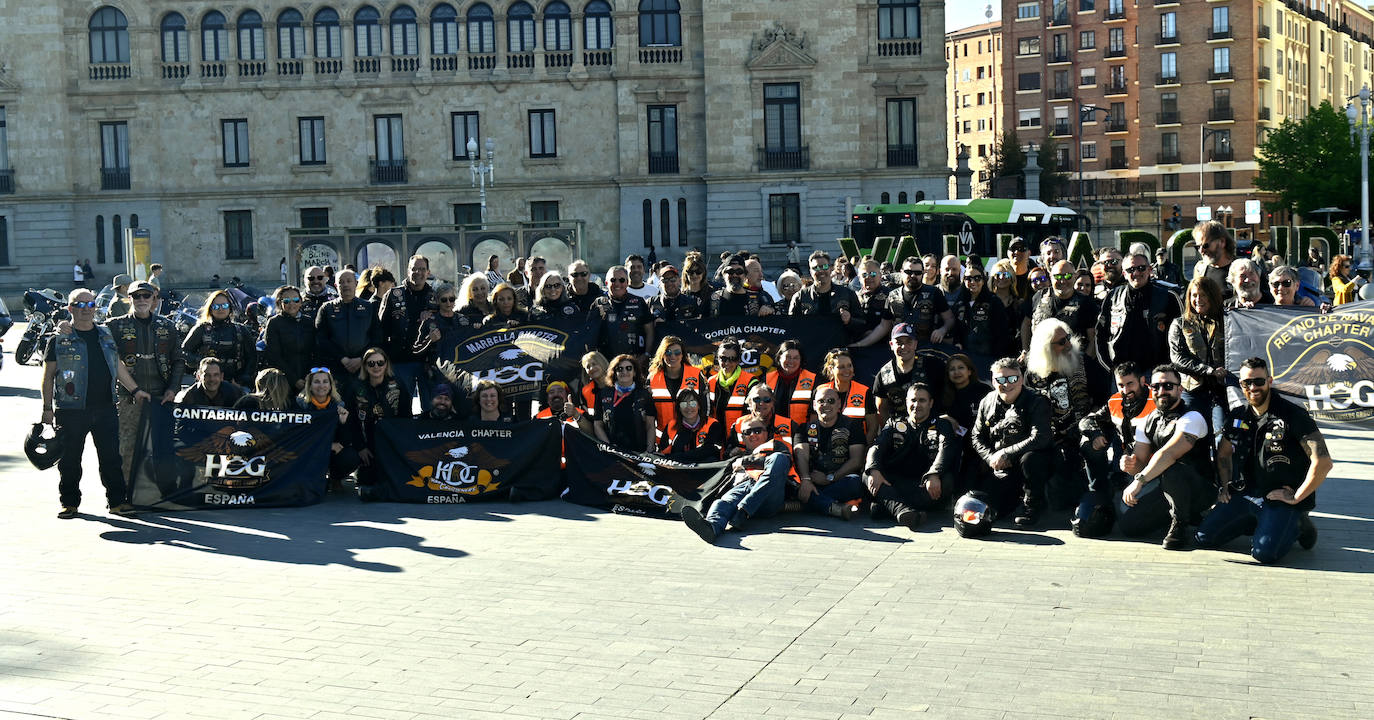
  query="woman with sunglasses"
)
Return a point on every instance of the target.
[
  {"x": 594, "y": 367},
  {"x": 505, "y": 312},
  {"x": 1284, "y": 282},
  {"x": 728, "y": 387},
  {"x": 694, "y": 281},
  {"x": 321, "y": 396},
  {"x": 694, "y": 436},
  {"x": 551, "y": 304},
  {"x": 855, "y": 399},
  {"x": 472, "y": 298},
  {"x": 488, "y": 404},
  {"x": 1344, "y": 288},
  {"x": 625, "y": 415},
  {"x": 271, "y": 391},
  {"x": 219, "y": 337},
  {"x": 290, "y": 337},
  {"x": 1001, "y": 280},
  {"x": 669, "y": 372},
  {"x": 442, "y": 328},
  {"x": 980, "y": 319},
  {"x": 377, "y": 395}
]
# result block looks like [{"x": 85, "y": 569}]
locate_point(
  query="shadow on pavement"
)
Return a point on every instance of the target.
[{"x": 20, "y": 392}]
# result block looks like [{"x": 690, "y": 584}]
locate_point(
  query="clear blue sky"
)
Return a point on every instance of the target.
[{"x": 963, "y": 13}]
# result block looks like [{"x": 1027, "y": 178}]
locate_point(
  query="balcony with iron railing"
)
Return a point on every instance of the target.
[
  {"x": 1166, "y": 78},
  {"x": 1061, "y": 128},
  {"x": 1169, "y": 39},
  {"x": 1263, "y": 73},
  {"x": 1216, "y": 33},
  {"x": 1215, "y": 74},
  {"x": 6, "y": 181},
  {"x": 1118, "y": 162},
  {"x": 797, "y": 158},
  {"x": 1061, "y": 93},
  {"x": 115, "y": 178},
  {"x": 1059, "y": 57},
  {"x": 1221, "y": 114},
  {"x": 387, "y": 172},
  {"x": 1161, "y": 3},
  {"x": 1265, "y": 114},
  {"x": 1263, "y": 32},
  {"x": 1116, "y": 125},
  {"x": 901, "y": 156},
  {"x": 1118, "y": 86},
  {"x": 1115, "y": 14},
  {"x": 1115, "y": 52},
  {"x": 1168, "y": 157},
  {"x": 663, "y": 163},
  {"x": 1167, "y": 117},
  {"x": 1222, "y": 154}
]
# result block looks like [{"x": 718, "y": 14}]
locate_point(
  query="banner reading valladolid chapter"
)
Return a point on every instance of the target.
[
  {"x": 631, "y": 483},
  {"x": 524, "y": 359},
  {"x": 1322, "y": 361},
  {"x": 201, "y": 457},
  {"x": 425, "y": 461}
]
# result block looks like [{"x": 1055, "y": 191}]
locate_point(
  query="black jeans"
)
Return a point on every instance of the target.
[
  {"x": 909, "y": 493},
  {"x": 1022, "y": 483},
  {"x": 1182, "y": 496},
  {"x": 102, "y": 424}
]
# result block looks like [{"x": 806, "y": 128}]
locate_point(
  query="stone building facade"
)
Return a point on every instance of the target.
[{"x": 644, "y": 124}]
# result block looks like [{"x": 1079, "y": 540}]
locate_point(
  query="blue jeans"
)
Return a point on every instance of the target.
[
  {"x": 414, "y": 377},
  {"x": 842, "y": 490},
  {"x": 755, "y": 497},
  {"x": 1273, "y": 523}
]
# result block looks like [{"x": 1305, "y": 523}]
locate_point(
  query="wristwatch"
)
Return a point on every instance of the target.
[{"x": 1139, "y": 478}]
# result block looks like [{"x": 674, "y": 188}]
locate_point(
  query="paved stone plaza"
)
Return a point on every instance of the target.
[{"x": 549, "y": 610}]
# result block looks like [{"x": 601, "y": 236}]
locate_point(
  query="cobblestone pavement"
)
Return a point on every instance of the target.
[{"x": 549, "y": 610}]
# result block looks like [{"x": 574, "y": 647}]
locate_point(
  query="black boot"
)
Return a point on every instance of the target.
[{"x": 1307, "y": 533}]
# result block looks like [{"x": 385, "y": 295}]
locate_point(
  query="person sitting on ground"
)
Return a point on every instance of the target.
[
  {"x": 1012, "y": 436},
  {"x": 272, "y": 392},
  {"x": 1271, "y": 466},
  {"x": 761, "y": 407},
  {"x": 829, "y": 455},
  {"x": 441, "y": 405},
  {"x": 210, "y": 388},
  {"x": 625, "y": 414},
  {"x": 756, "y": 486},
  {"x": 376, "y": 395},
  {"x": 693, "y": 436},
  {"x": 1107, "y": 431},
  {"x": 914, "y": 463}
]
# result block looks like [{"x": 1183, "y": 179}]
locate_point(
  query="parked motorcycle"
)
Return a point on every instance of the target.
[{"x": 43, "y": 309}]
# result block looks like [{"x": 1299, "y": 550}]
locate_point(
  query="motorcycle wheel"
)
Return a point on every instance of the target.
[{"x": 24, "y": 351}]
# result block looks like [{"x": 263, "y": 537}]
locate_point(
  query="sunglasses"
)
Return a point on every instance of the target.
[
  {"x": 753, "y": 430},
  {"x": 625, "y": 368},
  {"x": 1006, "y": 379},
  {"x": 1002, "y": 275},
  {"x": 1255, "y": 382},
  {"x": 734, "y": 272},
  {"x": 1135, "y": 269},
  {"x": 1164, "y": 386},
  {"x": 1061, "y": 277},
  {"x": 324, "y": 370},
  {"x": 142, "y": 296},
  {"x": 1041, "y": 279},
  {"x": 696, "y": 272},
  {"x": 1281, "y": 283},
  {"x": 1020, "y": 249},
  {"x": 316, "y": 278},
  {"x": 579, "y": 274},
  {"x": 1110, "y": 263},
  {"x": 728, "y": 358},
  {"x": 290, "y": 301},
  {"x": 553, "y": 286},
  {"x": 88, "y": 305},
  {"x": 448, "y": 299},
  {"x": 870, "y": 274},
  {"x": 376, "y": 363},
  {"x": 1060, "y": 342},
  {"x": 618, "y": 281},
  {"x": 761, "y": 400},
  {"x": 672, "y": 353},
  {"x": 687, "y": 403},
  {"x": 219, "y": 306},
  {"x": 973, "y": 278},
  {"x": 819, "y": 268},
  {"x": 909, "y": 272}
]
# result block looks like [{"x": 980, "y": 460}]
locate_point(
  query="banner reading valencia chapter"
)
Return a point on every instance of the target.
[
  {"x": 426, "y": 461},
  {"x": 1322, "y": 361}
]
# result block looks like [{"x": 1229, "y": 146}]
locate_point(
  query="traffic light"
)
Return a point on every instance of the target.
[{"x": 1176, "y": 222}]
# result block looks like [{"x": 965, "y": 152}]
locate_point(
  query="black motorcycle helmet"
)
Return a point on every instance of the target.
[
  {"x": 1094, "y": 516},
  {"x": 43, "y": 452},
  {"x": 973, "y": 515}
]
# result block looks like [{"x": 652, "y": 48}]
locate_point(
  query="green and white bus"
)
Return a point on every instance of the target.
[{"x": 976, "y": 223}]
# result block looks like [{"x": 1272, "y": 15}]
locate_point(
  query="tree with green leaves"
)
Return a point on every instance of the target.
[
  {"x": 1311, "y": 163},
  {"x": 1007, "y": 163}
]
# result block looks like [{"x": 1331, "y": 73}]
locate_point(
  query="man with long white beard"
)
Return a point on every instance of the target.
[{"x": 1055, "y": 367}]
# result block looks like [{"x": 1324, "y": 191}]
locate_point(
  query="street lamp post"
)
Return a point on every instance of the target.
[
  {"x": 1204, "y": 132},
  {"x": 482, "y": 172},
  {"x": 1084, "y": 112},
  {"x": 1360, "y": 124}
]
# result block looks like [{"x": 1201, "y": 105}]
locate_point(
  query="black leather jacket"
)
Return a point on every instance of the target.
[
  {"x": 1196, "y": 354},
  {"x": 1015, "y": 429},
  {"x": 289, "y": 346},
  {"x": 232, "y": 344},
  {"x": 345, "y": 329}
]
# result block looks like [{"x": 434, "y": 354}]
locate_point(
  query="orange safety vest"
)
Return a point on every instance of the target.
[
  {"x": 1114, "y": 406},
  {"x": 663, "y": 401},
  {"x": 799, "y": 405},
  {"x": 853, "y": 404},
  {"x": 589, "y": 397},
  {"x": 782, "y": 429},
  {"x": 735, "y": 404},
  {"x": 708, "y": 423}
]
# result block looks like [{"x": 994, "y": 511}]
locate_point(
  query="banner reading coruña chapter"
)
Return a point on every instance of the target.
[
  {"x": 426, "y": 461},
  {"x": 522, "y": 360},
  {"x": 631, "y": 483},
  {"x": 1322, "y": 361},
  {"x": 202, "y": 457}
]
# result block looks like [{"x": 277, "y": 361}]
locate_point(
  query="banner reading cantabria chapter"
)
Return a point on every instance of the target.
[{"x": 1322, "y": 361}]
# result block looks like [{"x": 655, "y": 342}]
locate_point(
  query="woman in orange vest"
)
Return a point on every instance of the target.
[
  {"x": 693, "y": 436},
  {"x": 729, "y": 386},
  {"x": 792, "y": 385},
  {"x": 670, "y": 372},
  {"x": 855, "y": 399},
  {"x": 594, "y": 367}
]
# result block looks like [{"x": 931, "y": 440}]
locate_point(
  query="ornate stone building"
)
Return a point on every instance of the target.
[{"x": 630, "y": 124}]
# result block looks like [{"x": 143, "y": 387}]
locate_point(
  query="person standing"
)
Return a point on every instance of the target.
[
  {"x": 80, "y": 376},
  {"x": 403, "y": 311},
  {"x": 87, "y": 272},
  {"x": 317, "y": 292},
  {"x": 290, "y": 337},
  {"x": 581, "y": 290},
  {"x": 148, "y": 345},
  {"x": 345, "y": 327},
  {"x": 1133, "y": 323},
  {"x": 78, "y": 273},
  {"x": 218, "y": 336},
  {"x": 822, "y": 297},
  {"x": 1218, "y": 250},
  {"x": 920, "y": 305},
  {"x": 627, "y": 326}
]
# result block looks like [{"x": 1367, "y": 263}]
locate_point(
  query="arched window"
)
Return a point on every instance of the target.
[
  {"x": 557, "y": 26},
  {"x": 598, "y": 28},
  {"x": 899, "y": 19},
  {"x": 648, "y": 223},
  {"x": 109, "y": 36},
  {"x": 885, "y": 198},
  {"x": 481, "y": 29},
  {"x": 176, "y": 46},
  {"x": 520, "y": 28},
  {"x": 901, "y": 198},
  {"x": 659, "y": 23},
  {"x": 290, "y": 35},
  {"x": 328, "y": 43},
  {"x": 443, "y": 30},
  {"x": 405, "y": 34},
  {"x": 117, "y": 240},
  {"x": 133, "y": 220},
  {"x": 665, "y": 223},
  {"x": 682, "y": 222},
  {"x": 214, "y": 37},
  {"x": 252, "y": 43},
  {"x": 100, "y": 239},
  {"x": 367, "y": 33}
]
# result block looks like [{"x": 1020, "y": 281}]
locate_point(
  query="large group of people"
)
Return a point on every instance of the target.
[{"x": 1109, "y": 395}]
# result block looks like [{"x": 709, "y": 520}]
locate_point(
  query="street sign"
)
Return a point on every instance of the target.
[
  {"x": 1204, "y": 213},
  {"x": 1252, "y": 212}
]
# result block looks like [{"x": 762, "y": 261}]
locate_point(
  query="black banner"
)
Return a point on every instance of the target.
[
  {"x": 199, "y": 457},
  {"x": 425, "y": 461},
  {"x": 524, "y": 359},
  {"x": 1321, "y": 361},
  {"x": 632, "y": 483}
]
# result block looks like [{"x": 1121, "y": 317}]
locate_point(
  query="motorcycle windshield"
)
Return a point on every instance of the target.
[
  {"x": 105, "y": 297},
  {"x": 190, "y": 305}
]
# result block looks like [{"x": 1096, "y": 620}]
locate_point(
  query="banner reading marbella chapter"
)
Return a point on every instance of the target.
[
  {"x": 522, "y": 360},
  {"x": 426, "y": 461},
  {"x": 632, "y": 483},
  {"x": 1322, "y": 361},
  {"x": 202, "y": 457}
]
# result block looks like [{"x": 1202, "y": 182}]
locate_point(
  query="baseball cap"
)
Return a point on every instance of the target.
[
  {"x": 902, "y": 330},
  {"x": 1018, "y": 244},
  {"x": 668, "y": 269},
  {"x": 143, "y": 285}
]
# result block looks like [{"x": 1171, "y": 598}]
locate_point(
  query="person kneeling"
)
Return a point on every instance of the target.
[
  {"x": 829, "y": 452},
  {"x": 756, "y": 488},
  {"x": 914, "y": 460}
]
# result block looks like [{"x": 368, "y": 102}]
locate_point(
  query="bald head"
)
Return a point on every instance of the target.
[{"x": 1062, "y": 275}]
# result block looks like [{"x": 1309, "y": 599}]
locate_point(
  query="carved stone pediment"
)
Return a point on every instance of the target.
[{"x": 779, "y": 48}]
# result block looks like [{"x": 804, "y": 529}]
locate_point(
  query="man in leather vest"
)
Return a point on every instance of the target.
[
  {"x": 345, "y": 327},
  {"x": 906, "y": 368},
  {"x": 1109, "y": 430},
  {"x": 404, "y": 310},
  {"x": 1173, "y": 446},
  {"x": 1073, "y": 385},
  {"x": 1061, "y": 301},
  {"x": 627, "y": 327},
  {"x": 80, "y": 377},
  {"x": 1012, "y": 436},
  {"x": 317, "y": 291},
  {"x": 210, "y": 388},
  {"x": 736, "y": 298},
  {"x": 822, "y": 297},
  {"x": 920, "y": 305},
  {"x": 671, "y": 304},
  {"x": 829, "y": 453},
  {"x": 914, "y": 462},
  {"x": 150, "y": 347},
  {"x": 1133, "y": 324}
]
